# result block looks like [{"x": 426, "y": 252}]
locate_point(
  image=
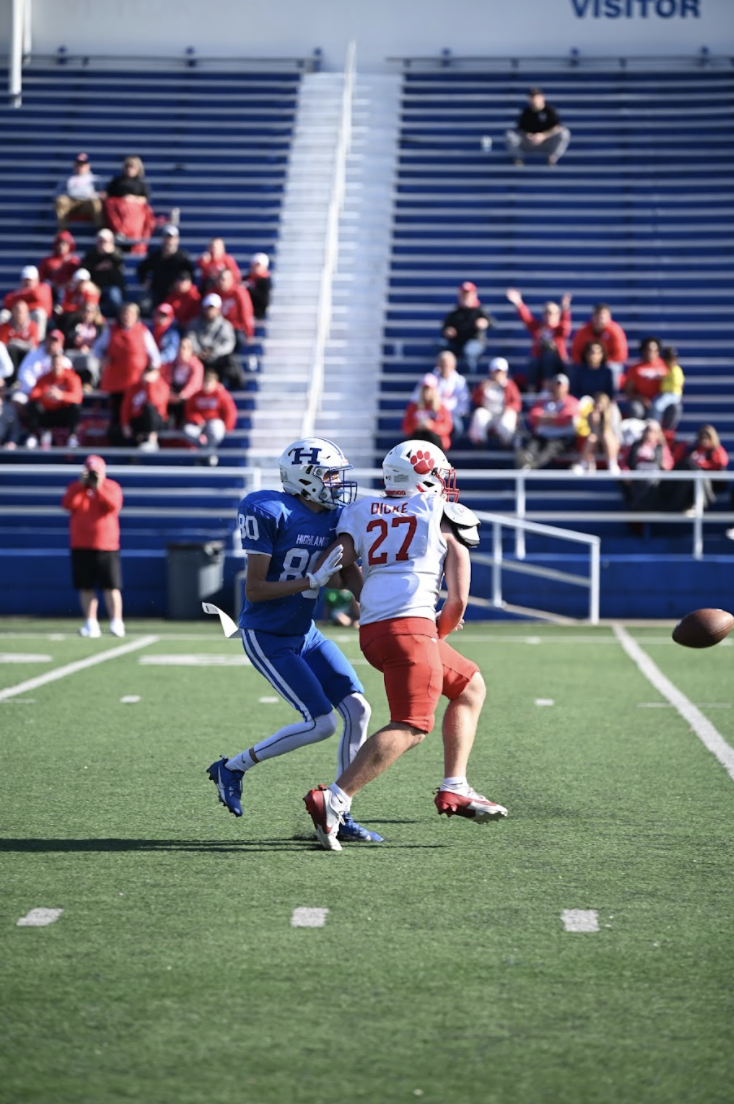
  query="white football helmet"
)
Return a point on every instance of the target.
[
  {"x": 418, "y": 467},
  {"x": 315, "y": 468}
]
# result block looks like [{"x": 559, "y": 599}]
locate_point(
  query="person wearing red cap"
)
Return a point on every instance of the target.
[
  {"x": 34, "y": 364},
  {"x": 61, "y": 263},
  {"x": 465, "y": 328},
  {"x": 94, "y": 503},
  {"x": 165, "y": 332},
  {"x": 79, "y": 195}
]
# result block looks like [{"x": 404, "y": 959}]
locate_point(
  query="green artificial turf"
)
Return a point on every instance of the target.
[{"x": 443, "y": 972}]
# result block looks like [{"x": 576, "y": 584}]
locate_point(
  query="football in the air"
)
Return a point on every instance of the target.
[{"x": 703, "y": 628}]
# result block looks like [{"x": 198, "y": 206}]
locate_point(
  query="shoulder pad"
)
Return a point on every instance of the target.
[{"x": 464, "y": 523}]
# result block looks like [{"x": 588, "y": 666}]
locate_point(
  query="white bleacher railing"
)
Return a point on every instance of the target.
[
  {"x": 696, "y": 518},
  {"x": 498, "y": 563},
  {"x": 331, "y": 250}
]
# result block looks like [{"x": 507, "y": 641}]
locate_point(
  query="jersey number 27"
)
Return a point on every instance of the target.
[{"x": 381, "y": 526}]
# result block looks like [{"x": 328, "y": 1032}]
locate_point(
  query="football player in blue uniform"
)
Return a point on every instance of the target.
[{"x": 285, "y": 534}]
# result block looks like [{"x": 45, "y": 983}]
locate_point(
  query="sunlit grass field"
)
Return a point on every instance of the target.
[{"x": 444, "y": 970}]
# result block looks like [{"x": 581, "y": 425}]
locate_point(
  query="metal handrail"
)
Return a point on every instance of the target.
[{"x": 336, "y": 203}]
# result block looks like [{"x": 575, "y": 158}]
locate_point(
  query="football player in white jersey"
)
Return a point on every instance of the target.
[{"x": 409, "y": 539}]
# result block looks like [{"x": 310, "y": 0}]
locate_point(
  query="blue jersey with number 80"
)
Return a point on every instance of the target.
[{"x": 279, "y": 525}]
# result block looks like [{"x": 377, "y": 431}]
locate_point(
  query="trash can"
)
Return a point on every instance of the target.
[{"x": 194, "y": 573}]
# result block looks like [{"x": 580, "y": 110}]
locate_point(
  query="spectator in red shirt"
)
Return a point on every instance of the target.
[
  {"x": 185, "y": 298},
  {"x": 236, "y": 307},
  {"x": 552, "y": 426},
  {"x": 497, "y": 405},
  {"x": 210, "y": 413},
  {"x": 60, "y": 265},
  {"x": 94, "y": 503},
  {"x": 145, "y": 409},
  {"x": 124, "y": 350},
  {"x": 643, "y": 379},
  {"x": 213, "y": 262},
  {"x": 258, "y": 283},
  {"x": 548, "y": 353},
  {"x": 54, "y": 403},
  {"x": 127, "y": 210},
  {"x": 184, "y": 376},
  {"x": 706, "y": 453},
  {"x": 78, "y": 292},
  {"x": 38, "y": 296},
  {"x": 601, "y": 327},
  {"x": 428, "y": 419},
  {"x": 19, "y": 334}
]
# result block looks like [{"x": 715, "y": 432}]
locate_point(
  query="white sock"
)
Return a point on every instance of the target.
[
  {"x": 92, "y": 623},
  {"x": 342, "y": 801},
  {"x": 241, "y": 762},
  {"x": 455, "y": 785}
]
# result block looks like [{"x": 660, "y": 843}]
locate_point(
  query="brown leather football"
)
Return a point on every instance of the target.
[{"x": 703, "y": 628}]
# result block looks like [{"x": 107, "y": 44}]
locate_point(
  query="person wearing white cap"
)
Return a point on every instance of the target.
[
  {"x": 497, "y": 405},
  {"x": 36, "y": 294},
  {"x": 161, "y": 268},
  {"x": 258, "y": 283},
  {"x": 78, "y": 292},
  {"x": 106, "y": 267},
  {"x": 214, "y": 342}
]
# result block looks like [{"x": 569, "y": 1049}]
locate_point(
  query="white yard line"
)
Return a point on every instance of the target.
[
  {"x": 309, "y": 917},
  {"x": 709, "y": 736},
  {"x": 580, "y": 920},
  {"x": 39, "y": 918},
  {"x": 80, "y": 665}
]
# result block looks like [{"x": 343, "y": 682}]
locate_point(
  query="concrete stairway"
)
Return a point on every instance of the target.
[{"x": 348, "y": 406}]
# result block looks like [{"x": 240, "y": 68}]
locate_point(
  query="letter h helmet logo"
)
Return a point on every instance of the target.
[{"x": 305, "y": 456}]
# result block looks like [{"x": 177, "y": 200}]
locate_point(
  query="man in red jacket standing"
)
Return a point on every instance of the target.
[{"x": 94, "y": 502}]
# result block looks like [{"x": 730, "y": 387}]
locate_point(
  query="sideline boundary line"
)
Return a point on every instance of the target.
[
  {"x": 79, "y": 665},
  {"x": 709, "y": 736}
]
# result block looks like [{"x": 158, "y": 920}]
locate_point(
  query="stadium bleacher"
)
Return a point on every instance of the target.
[
  {"x": 638, "y": 213},
  {"x": 215, "y": 144}
]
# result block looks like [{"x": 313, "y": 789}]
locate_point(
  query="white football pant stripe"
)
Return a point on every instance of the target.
[{"x": 262, "y": 664}]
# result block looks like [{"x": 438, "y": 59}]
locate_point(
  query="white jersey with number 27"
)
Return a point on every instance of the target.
[{"x": 402, "y": 549}]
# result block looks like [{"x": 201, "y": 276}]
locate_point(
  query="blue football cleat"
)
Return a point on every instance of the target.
[
  {"x": 351, "y": 832},
  {"x": 229, "y": 785}
]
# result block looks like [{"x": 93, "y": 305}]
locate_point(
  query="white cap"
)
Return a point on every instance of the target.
[
  {"x": 260, "y": 259},
  {"x": 81, "y": 274},
  {"x": 170, "y": 230},
  {"x": 106, "y": 234},
  {"x": 30, "y": 272},
  {"x": 212, "y": 300},
  {"x": 499, "y": 364}
]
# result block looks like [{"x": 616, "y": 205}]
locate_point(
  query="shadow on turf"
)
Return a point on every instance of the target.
[{"x": 297, "y": 843}]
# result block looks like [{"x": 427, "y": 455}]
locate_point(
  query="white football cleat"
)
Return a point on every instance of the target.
[
  {"x": 117, "y": 627},
  {"x": 469, "y": 804},
  {"x": 326, "y": 820},
  {"x": 91, "y": 630}
]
